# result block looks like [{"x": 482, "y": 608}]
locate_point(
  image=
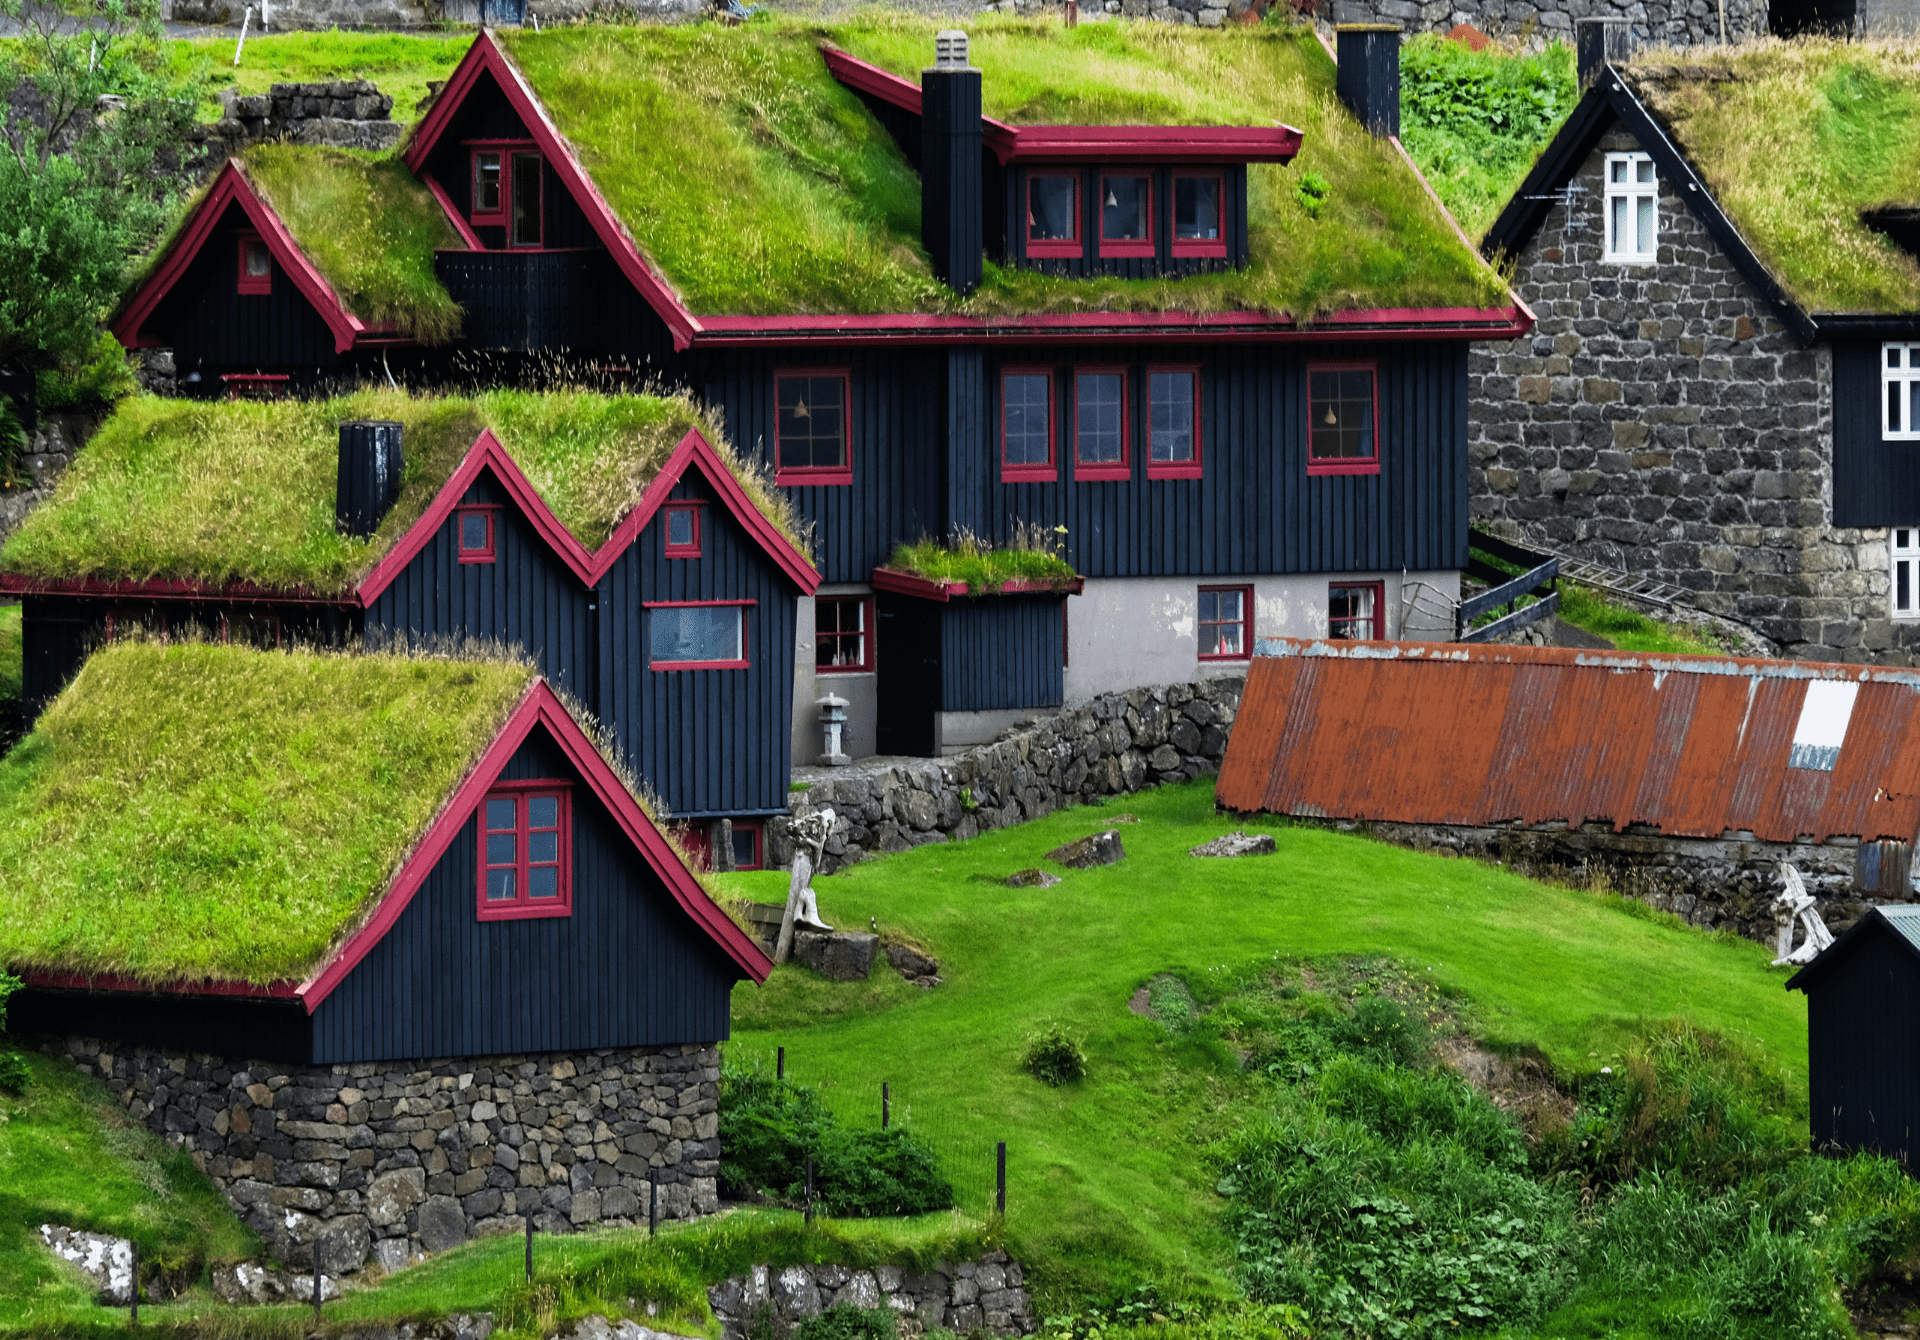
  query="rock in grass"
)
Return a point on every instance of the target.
[
  {"x": 1236, "y": 843},
  {"x": 1097, "y": 849},
  {"x": 923, "y": 970},
  {"x": 1032, "y": 878},
  {"x": 838, "y": 956},
  {"x": 107, "y": 1261}
]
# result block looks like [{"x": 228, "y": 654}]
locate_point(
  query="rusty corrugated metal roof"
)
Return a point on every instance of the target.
[{"x": 1695, "y": 746}]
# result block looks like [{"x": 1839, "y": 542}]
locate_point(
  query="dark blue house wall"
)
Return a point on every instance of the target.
[
  {"x": 1000, "y": 652},
  {"x": 1863, "y": 1069},
  {"x": 711, "y": 742},
  {"x": 1875, "y": 482}
]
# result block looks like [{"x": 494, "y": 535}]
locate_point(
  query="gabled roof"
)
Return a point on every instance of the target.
[{"x": 1902, "y": 919}]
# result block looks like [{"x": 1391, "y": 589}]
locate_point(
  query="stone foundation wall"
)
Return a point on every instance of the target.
[
  {"x": 989, "y": 1294},
  {"x": 385, "y": 1160},
  {"x": 1115, "y": 744}
]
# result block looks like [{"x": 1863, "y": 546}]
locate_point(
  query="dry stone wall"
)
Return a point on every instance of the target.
[
  {"x": 1678, "y": 23},
  {"x": 385, "y": 1160},
  {"x": 988, "y": 1294}
]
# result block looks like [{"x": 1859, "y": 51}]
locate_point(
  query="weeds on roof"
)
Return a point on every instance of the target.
[{"x": 1032, "y": 557}]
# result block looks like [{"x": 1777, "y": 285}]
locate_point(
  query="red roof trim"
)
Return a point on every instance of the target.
[
  {"x": 233, "y": 188},
  {"x": 486, "y": 55},
  {"x": 540, "y": 708},
  {"x": 107, "y": 981},
  {"x": 162, "y": 588},
  {"x": 458, "y": 220},
  {"x": 926, "y": 588}
]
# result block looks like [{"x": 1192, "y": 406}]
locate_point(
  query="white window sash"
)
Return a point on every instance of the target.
[
  {"x": 1903, "y": 587},
  {"x": 1632, "y": 214},
  {"x": 1900, "y": 392}
]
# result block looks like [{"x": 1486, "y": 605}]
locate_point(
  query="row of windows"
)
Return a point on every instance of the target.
[
  {"x": 475, "y": 526},
  {"x": 1127, "y": 214}
]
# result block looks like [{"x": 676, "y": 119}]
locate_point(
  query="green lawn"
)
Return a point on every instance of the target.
[{"x": 401, "y": 64}]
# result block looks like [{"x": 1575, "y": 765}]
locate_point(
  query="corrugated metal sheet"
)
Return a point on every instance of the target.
[{"x": 1693, "y": 746}]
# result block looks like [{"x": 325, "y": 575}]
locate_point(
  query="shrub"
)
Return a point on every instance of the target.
[
  {"x": 13, "y": 1066},
  {"x": 1054, "y": 1055},
  {"x": 843, "y": 1321}
]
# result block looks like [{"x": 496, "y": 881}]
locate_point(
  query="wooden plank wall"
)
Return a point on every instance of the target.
[
  {"x": 1863, "y": 1072},
  {"x": 1875, "y": 482},
  {"x": 276, "y": 1031},
  {"x": 1000, "y": 652},
  {"x": 214, "y": 328}
]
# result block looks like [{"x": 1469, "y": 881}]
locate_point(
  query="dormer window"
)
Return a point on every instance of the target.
[
  {"x": 508, "y": 193},
  {"x": 255, "y": 265},
  {"x": 1197, "y": 204},
  {"x": 1053, "y": 215},
  {"x": 1126, "y": 214}
]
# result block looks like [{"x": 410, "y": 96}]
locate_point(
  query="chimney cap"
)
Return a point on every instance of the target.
[{"x": 950, "y": 49}]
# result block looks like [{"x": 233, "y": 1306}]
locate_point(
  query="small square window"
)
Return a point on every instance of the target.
[
  {"x": 488, "y": 175},
  {"x": 1100, "y": 437},
  {"x": 697, "y": 636},
  {"x": 681, "y": 522},
  {"x": 1198, "y": 216},
  {"x": 1126, "y": 214},
  {"x": 1026, "y": 425},
  {"x": 1903, "y": 546},
  {"x": 526, "y": 851},
  {"x": 812, "y": 428},
  {"x": 1173, "y": 423},
  {"x": 1226, "y": 623},
  {"x": 1341, "y": 412},
  {"x": 842, "y": 634},
  {"x": 474, "y": 527},
  {"x": 1633, "y": 209},
  {"x": 1900, "y": 392},
  {"x": 746, "y": 845},
  {"x": 255, "y": 265},
  {"x": 1053, "y": 216},
  {"x": 1356, "y": 610}
]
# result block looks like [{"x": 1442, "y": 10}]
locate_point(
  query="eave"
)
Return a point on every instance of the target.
[{"x": 167, "y": 588}]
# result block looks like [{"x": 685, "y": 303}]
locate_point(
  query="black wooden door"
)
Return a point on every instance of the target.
[{"x": 908, "y": 687}]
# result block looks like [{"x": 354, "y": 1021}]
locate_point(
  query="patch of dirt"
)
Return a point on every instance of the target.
[
  {"x": 1882, "y": 1307},
  {"x": 1141, "y": 1002},
  {"x": 1523, "y": 1090}
]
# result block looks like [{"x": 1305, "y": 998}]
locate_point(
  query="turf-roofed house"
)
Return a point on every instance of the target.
[
  {"x": 641, "y": 565},
  {"x": 1723, "y": 388},
  {"x": 1160, "y": 319},
  {"x": 387, "y": 940}
]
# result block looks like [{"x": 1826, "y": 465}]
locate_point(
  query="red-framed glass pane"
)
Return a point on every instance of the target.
[
  {"x": 1226, "y": 623},
  {"x": 1126, "y": 214},
  {"x": 254, "y": 265},
  {"x": 843, "y": 634},
  {"x": 525, "y": 859},
  {"x": 1356, "y": 610},
  {"x": 1343, "y": 419},
  {"x": 473, "y": 529},
  {"x": 1100, "y": 436},
  {"x": 1026, "y": 424},
  {"x": 1199, "y": 214},
  {"x": 1053, "y": 215},
  {"x": 697, "y": 635},
  {"x": 813, "y": 426},
  {"x": 1173, "y": 423},
  {"x": 681, "y": 522}
]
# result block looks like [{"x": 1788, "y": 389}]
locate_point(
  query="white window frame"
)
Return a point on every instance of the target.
[
  {"x": 1621, "y": 201},
  {"x": 1903, "y": 554},
  {"x": 1899, "y": 371}
]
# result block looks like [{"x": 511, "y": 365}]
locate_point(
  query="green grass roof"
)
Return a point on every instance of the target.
[
  {"x": 1796, "y": 138},
  {"x": 194, "y": 811},
  {"x": 218, "y": 491},
  {"x": 761, "y": 186}
]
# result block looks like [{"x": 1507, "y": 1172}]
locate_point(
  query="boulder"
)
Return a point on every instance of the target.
[
  {"x": 1088, "y": 852},
  {"x": 107, "y": 1261},
  {"x": 1236, "y": 843},
  {"x": 443, "y": 1224},
  {"x": 1032, "y": 878},
  {"x": 838, "y": 956},
  {"x": 910, "y": 963}
]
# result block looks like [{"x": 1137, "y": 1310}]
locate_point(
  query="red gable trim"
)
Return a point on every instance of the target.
[
  {"x": 163, "y": 588},
  {"x": 487, "y": 454},
  {"x": 485, "y": 56},
  {"x": 539, "y": 709},
  {"x": 233, "y": 188},
  {"x": 454, "y": 216}
]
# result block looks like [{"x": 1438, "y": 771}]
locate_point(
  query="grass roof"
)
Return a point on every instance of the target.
[
  {"x": 218, "y": 491},
  {"x": 761, "y": 186},
  {"x": 195, "y": 811},
  {"x": 1796, "y": 138}
]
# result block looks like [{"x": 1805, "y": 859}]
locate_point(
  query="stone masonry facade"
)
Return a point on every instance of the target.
[
  {"x": 1661, "y": 420},
  {"x": 1676, "y": 23},
  {"x": 385, "y": 1160}
]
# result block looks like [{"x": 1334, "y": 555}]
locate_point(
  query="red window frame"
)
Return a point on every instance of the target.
[
  {"x": 1105, "y": 470},
  {"x": 802, "y": 475},
  {"x": 238, "y": 385},
  {"x": 1344, "y": 465},
  {"x": 1245, "y": 623},
  {"x": 1378, "y": 619},
  {"x": 252, "y": 285},
  {"x": 1127, "y": 247},
  {"x": 746, "y": 658},
  {"x": 1057, "y": 248},
  {"x": 692, "y": 511},
  {"x": 750, "y": 828},
  {"x": 1174, "y": 469},
  {"x": 503, "y": 216},
  {"x": 523, "y": 906},
  {"x": 1215, "y": 247},
  {"x": 1028, "y": 472},
  {"x": 491, "y": 549},
  {"x": 864, "y": 635}
]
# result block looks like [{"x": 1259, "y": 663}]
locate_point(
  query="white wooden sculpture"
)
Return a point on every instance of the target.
[
  {"x": 1795, "y": 904},
  {"x": 803, "y": 909}
]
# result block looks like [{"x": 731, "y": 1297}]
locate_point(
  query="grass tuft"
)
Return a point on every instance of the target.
[{"x": 1032, "y": 557}]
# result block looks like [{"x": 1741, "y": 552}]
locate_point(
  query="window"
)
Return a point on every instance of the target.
[
  {"x": 1632, "y": 208},
  {"x": 1173, "y": 423},
  {"x": 698, "y": 635},
  {"x": 255, "y": 265},
  {"x": 1904, "y": 544},
  {"x": 811, "y": 406},
  {"x": 1341, "y": 412},
  {"x": 1226, "y": 623},
  {"x": 682, "y": 527},
  {"x": 842, "y": 634},
  {"x": 1900, "y": 391},
  {"x": 1026, "y": 424},
  {"x": 508, "y": 192},
  {"x": 1053, "y": 215},
  {"x": 1100, "y": 424},
  {"x": 488, "y": 173},
  {"x": 526, "y": 851},
  {"x": 746, "y": 845},
  {"x": 474, "y": 526},
  {"x": 1197, "y": 226},
  {"x": 1126, "y": 214},
  {"x": 1356, "y": 610}
]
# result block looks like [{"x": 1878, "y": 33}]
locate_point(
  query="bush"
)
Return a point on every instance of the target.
[
  {"x": 843, "y": 1321},
  {"x": 99, "y": 377},
  {"x": 1054, "y": 1055},
  {"x": 13, "y": 1066}
]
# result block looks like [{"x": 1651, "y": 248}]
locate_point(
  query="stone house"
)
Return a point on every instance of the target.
[{"x": 1716, "y": 395}]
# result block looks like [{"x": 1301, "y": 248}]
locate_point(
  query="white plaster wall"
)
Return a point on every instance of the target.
[{"x": 858, "y": 689}]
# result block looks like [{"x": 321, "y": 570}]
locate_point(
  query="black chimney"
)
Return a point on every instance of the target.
[
  {"x": 1369, "y": 76},
  {"x": 369, "y": 475},
  {"x": 1598, "y": 43},
  {"x": 950, "y": 203}
]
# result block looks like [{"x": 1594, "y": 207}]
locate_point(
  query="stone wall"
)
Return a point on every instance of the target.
[
  {"x": 988, "y": 1294},
  {"x": 292, "y": 15},
  {"x": 384, "y": 1160},
  {"x": 49, "y": 450},
  {"x": 345, "y": 114},
  {"x": 1117, "y": 743},
  {"x": 1662, "y": 421},
  {"x": 1679, "y": 23}
]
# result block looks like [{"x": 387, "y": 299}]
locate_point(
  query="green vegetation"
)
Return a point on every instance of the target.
[
  {"x": 224, "y": 491},
  {"x": 100, "y": 376},
  {"x": 401, "y": 64},
  {"x": 1628, "y": 629},
  {"x": 170, "y": 786},
  {"x": 1475, "y": 122},
  {"x": 762, "y": 186},
  {"x": 1796, "y": 138},
  {"x": 985, "y": 570},
  {"x": 12, "y": 672}
]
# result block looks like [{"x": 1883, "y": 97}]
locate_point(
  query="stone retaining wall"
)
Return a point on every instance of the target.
[
  {"x": 49, "y": 450},
  {"x": 1679, "y": 23},
  {"x": 1115, "y": 744},
  {"x": 385, "y": 1160},
  {"x": 987, "y": 1294},
  {"x": 345, "y": 114}
]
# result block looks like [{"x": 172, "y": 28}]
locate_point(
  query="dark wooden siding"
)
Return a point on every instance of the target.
[
  {"x": 896, "y": 428},
  {"x": 1012, "y": 196},
  {"x": 627, "y": 969},
  {"x": 999, "y": 652},
  {"x": 711, "y": 742},
  {"x": 276, "y": 1031},
  {"x": 1875, "y": 482},
  {"x": 56, "y": 635},
  {"x": 1863, "y": 1069},
  {"x": 528, "y": 300},
  {"x": 526, "y": 596}
]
